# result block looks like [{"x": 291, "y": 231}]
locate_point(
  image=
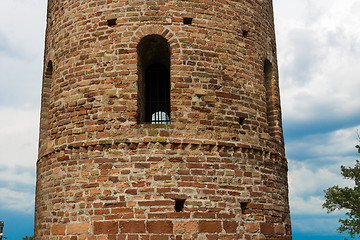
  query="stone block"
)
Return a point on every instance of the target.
[
  {"x": 185, "y": 227},
  {"x": 160, "y": 226},
  {"x": 210, "y": 226},
  {"x": 132, "y": 226},
  {"x": 77, "y": 228},
  {"x": 107, "y": 227},
  {"x": 58, "y": 229}
]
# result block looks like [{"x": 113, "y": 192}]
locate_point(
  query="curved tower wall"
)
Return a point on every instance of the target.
[{"x": 215, "y": 169}]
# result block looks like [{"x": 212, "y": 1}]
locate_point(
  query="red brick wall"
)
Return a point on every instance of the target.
[{"x": 101, "y": 175}]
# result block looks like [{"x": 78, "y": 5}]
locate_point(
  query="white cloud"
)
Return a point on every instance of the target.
[
  {"x": 319, "y": 168},
  {"x": 23, "y": 22},
  {"x": 22, "y": 27},
  {"x": 17, "y": 200},
  {"x": 17, "y": 176},
  {"x": 18, "y": 136},
  {"x": 330, "y": 147},
  {"x": 20, "y": 81},
  {"x": 307, "y": 185},
  {"x": 319, "y": 54},
  {"x": 18, "y": 147},
  {"x": 319, "y": 58}
]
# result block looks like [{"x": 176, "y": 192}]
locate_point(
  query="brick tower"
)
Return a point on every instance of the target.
[{"x": 161, "y": 120}]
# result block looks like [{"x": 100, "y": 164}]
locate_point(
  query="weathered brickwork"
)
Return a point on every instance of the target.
[{"x": 217, "y": 171}]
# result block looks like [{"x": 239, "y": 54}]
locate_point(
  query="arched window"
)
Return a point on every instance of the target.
[
  {"x": 268, "y": 77},
  {"x": 154, "y": 80},
  {"x": 45, "y": 101}
]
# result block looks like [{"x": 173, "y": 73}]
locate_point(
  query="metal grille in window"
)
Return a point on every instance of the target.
[
  {"x": 160, "y": 118},
  {"x": 157, "y": 94}
]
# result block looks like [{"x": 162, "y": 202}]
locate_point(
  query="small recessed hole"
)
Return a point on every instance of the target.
[
  {"x": 111, "y": 22},
  {"x": 188, "y": 20},
  {"x": 243, "y": 206},
  {"x": 179, "y": 205},
  {"x": 241, "y": 120},
  {"x": 245, "y": 33}
]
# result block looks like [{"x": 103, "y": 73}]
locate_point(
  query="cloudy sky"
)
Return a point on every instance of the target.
[{"x": 319, "y": 62}]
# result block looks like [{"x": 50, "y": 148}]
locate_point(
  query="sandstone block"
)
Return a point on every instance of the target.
[
  {"x": 58, "y": 229},
  {"x": 210, "y": 226},
  {"x": 132, "y": 226},
  {"x": 160, "y": 226},
  {"x": 108, "y": 227},
  {"x": 252, "y": 227},
  {"x": 77, "y": 228},
  {"x": 267, "y": 228},
  {"x": 185, "y": 227}
]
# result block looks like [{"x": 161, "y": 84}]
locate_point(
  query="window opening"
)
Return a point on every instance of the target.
[
  {"x": 268, "y": 75},
  {"x": 45, "y": 101},
  {"x": 179, "y": 205},
  {"x": 267, "y": 70},
  {"x": 154, "y": 80},
  {"x": 157, "y": 87}
]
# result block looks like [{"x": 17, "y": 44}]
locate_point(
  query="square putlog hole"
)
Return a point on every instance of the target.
[
  {"x": 241, "y": 120},
  {"x": 242, "y": 117},
  {"x": 243, "y": 206},
  {"x": 187, "y": 21},
  {"x": 245, "y": 33},
  {"x": 111, "y": 22},
  {"x": 179, "y": 205}
]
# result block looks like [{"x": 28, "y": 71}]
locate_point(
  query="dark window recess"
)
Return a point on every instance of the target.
[
  {"x": 187, "y": 20},
  {"x": 154, "y": 80},
  {"x": 268, "y": 76},
  {"x": 157, "y": 85},
  {"x": 111, "y": 22},
  {"x": 45, "y": 101},
  {"x": 49, "y": 69},
  {"x": 245, "y": 33},
  {"x": 179, "y": 205},
  {"x": 243, "y": 206},
  {"x": 267, "y": 70}
]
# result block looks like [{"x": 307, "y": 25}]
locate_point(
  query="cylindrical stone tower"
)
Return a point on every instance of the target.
[{"x": 161, "y": 120}]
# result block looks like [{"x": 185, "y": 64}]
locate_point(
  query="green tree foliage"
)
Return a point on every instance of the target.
[
  {"x": 337, "y": 198},
  {"x": 28, "y": 238}
]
